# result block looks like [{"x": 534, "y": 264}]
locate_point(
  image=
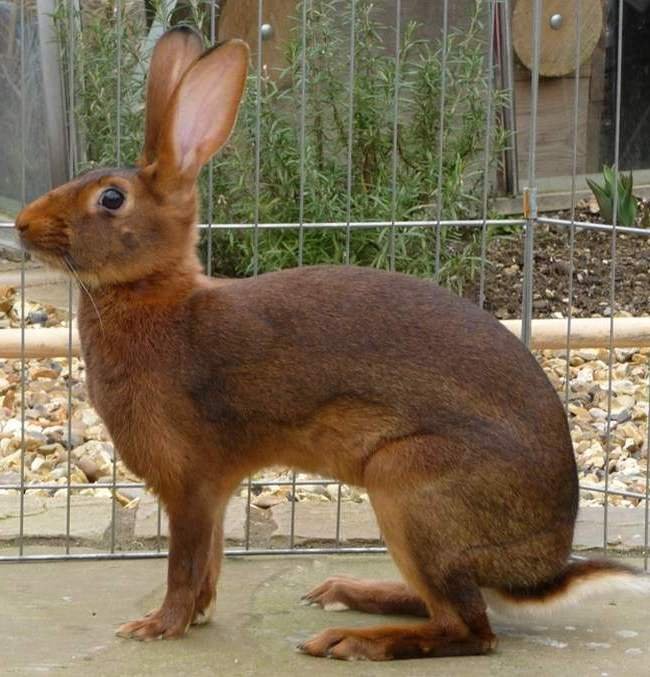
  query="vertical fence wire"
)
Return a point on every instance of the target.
[
  {"x": 258, "y": 138},
  {"x": 210, "y": 215},
  {"x": 68, "y": 498},
  {"x": 508, "y": 84},
  {"x": 612, "y": 280},
  {"x": 301, "y": 140},
  {"x": 646, "y": 531},
  {"x": 118, "y": 158},
  {"x": 486, "y": 150},
  {"x": 441, "y": 133},
  {"x": 72, "y": 132},
  {"x": 159, "y": 528},
  {"x": 301, "y": 209},
  {"x": 348, "y": 204},
  {"x": 23, "y": 365},
  {"x": 301, "y": 213},
  {"x": 529, "y": 239},
  {"x": 166, "y": 21},
  {"x": 337, "y": 535},
  {"x": 256, "y": 241},
  {"x": 351, "y": 80},
  {"x": 118, "y": 82},
  {"x": 398, "y": 47},
  {"x": 572, "y": 227}
]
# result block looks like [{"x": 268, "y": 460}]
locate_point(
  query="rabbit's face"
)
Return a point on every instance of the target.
[
  {"x": 114, "y": 226},
  {"x": 108, "y": 226}
]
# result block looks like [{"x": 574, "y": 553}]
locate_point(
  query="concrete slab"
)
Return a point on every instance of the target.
[
  {"x": 61, "y": 617},
  {"x": 45, "y": 520}
]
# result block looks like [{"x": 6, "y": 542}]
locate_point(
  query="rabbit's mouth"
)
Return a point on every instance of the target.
[
  {"x": 52, "y": 254},
  {"x": 47, "y": 239}
]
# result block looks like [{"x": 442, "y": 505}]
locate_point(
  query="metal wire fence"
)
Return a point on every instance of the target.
[{"x": 497, "y": 17}]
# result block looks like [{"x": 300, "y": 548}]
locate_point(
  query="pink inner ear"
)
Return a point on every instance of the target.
[
  {"x": 207, "y": 107},
  {"x": 195, "y": 118}
]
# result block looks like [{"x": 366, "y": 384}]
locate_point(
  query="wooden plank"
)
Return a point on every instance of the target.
[
  {"x": 553, "y": 201},
  {"x": 597, "y": 97},
  {"x": 554, "y": 126},
  {"x": 239, "y": 19},
  {"x": 629, "y": 332},
  {"x": 39, "y": 343}
]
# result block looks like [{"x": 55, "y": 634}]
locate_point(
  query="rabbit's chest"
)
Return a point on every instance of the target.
[
  {"x": 134, "y": 417},
  {"x": 136, "y": 402}
]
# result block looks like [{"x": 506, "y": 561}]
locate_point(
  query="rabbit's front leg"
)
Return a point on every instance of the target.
[
  {"x": 192, "y": 549},
  {"x": 205, "y": 600}
]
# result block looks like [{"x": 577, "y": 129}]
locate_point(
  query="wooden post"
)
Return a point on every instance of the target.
[
  {"x": 629, "y": 332},
  {"x": 52, "y": 342}
]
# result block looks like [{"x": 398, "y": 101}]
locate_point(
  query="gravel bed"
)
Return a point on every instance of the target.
[
  {"x": 56, "y": 447},
  {"x": 50, "y": 382}
]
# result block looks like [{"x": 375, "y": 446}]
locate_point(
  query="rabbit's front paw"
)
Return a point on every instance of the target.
[
  {"x": 204, "y": 616},
  {"x": 159, "y": 624}
]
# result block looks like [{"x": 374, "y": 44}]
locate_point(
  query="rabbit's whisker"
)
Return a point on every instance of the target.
[{"x": 68, "y": 263}]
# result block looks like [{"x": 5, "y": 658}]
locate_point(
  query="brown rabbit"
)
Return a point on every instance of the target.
[{"x": 374, "y": 378}]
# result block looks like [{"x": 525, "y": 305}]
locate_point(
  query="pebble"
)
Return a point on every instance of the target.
[
  {"x": 267, "y": 500},
  {"x": 10, "y": 477},
  {"x": 132, "y": 493},
  {"x": 89, "y": 468}
]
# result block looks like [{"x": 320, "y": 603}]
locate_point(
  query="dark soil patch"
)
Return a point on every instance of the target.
[{"x": 592, "y": 271}]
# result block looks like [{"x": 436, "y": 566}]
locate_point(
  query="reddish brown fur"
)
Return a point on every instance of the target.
[
  {"x": 371, "y": 597},
  {"x": 373, "y": 378}
]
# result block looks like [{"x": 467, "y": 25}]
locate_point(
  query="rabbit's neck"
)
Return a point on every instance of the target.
[{"x": 111, "y": 309}]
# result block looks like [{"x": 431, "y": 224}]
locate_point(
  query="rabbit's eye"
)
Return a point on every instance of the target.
[{"x": 111, "y": 199}]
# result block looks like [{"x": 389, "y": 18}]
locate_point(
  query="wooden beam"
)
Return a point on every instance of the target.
[
  {"x": 51, "y": 342},
  {"x": 629, "y": 332},
  {"x": 592, "y": 332}
]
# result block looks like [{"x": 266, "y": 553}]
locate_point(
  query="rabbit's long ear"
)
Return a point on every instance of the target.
[
  {"x": 203, "y": 111},
  {"x": 173, "y": 54}
]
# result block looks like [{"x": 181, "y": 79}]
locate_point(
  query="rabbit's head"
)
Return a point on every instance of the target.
[{"x": 123, "y": 225}]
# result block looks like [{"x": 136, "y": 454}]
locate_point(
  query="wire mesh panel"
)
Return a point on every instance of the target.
[{"x": 373, "y": 134}]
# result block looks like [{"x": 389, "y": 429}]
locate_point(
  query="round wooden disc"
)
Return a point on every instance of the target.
[{"x": 557, "y": 45}]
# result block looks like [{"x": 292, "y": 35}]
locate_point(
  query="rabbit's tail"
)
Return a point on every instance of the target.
[{"x": 577, "y": 580}]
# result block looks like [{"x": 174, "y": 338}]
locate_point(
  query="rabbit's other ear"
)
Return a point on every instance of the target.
[
  {"x": 173, "y": 54},
  {"x": 203, "y": 111}
]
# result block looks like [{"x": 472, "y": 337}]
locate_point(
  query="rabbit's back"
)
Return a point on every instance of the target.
[{"x": 315, "y": 333}]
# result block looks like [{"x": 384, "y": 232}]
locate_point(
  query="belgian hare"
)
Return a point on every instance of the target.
[{"x": 374, "y": 378}]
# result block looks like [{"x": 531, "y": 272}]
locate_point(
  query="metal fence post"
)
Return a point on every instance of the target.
[{"x": 530, "y": 194}]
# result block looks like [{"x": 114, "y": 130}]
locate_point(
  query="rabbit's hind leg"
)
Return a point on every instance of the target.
[
  {"x": 458, "y": 626},
  {"x": 415, "y": 525},
  {"x": 340, "y": 593}
]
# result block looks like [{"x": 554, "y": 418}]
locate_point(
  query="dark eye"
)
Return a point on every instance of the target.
[{"x": 111, "y": 199}]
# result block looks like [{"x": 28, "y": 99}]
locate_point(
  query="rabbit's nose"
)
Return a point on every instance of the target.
[{"x": 21, "y": 224}]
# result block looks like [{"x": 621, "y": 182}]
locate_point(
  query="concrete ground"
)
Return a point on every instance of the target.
[{"x": 60, "y": 617}]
